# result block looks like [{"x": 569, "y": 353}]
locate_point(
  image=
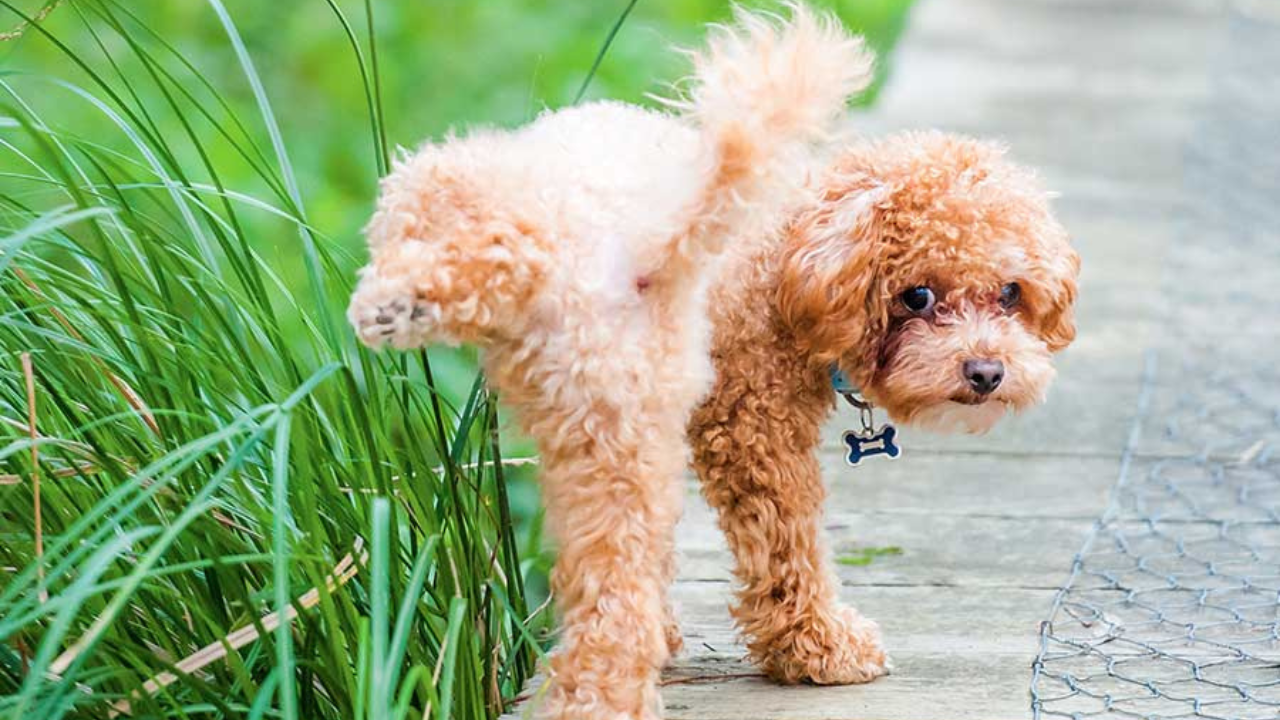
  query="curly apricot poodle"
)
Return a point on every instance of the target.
[{"x": 577, "y": 252}]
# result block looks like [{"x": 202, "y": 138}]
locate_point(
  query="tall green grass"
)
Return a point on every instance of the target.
[{"x": 242, "y": 514}]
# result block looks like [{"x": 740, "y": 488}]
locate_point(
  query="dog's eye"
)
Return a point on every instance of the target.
[
  {"x": 1010, "y": 295},
  {"x": 918, "y": 299}
]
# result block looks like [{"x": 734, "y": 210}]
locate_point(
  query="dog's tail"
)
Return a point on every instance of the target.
[{"x": 764, "y": 91}]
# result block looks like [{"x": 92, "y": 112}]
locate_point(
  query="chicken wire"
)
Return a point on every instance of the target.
[{"x": 1173, "y": 608}]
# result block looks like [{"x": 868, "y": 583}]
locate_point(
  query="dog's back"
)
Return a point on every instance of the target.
[{"x": 477, "y": 236}]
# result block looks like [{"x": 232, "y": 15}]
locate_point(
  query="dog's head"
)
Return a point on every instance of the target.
[{"x": 931, "y": 270}]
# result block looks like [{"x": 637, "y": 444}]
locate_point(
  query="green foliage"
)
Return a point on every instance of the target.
[
  {"x": 861, "y": 557},
  {"x": 181, "y": 189}
]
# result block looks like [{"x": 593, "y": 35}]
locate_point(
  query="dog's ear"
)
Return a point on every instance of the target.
[
  {"x": 1053, "y": 286},
  {"x": 829, "y": 292}
]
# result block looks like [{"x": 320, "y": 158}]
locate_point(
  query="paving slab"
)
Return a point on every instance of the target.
[
  {"x": 924, "y": 687},
  {"x": 914, "y": 619},
  {"x": 1124, "y": 36},
  {"x": 937, "y": 482},
  {"x": 928, "y": 549}
]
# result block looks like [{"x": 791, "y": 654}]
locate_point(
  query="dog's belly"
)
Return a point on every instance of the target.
[{"x": 608, "y": 351}]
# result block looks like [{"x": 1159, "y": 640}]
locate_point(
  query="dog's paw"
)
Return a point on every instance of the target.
[
  {"x": 841, "y": 648},
  {"x": 398, "y": 323},
  {"x": 385, "y": 315}
]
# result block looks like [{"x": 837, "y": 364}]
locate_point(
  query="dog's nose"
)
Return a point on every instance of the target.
[{"x": 984, "y": 375}]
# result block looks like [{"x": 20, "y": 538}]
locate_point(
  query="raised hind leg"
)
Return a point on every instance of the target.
[
  {"x": 476, "y": 287},
  {"x": 452, "y": 257}
]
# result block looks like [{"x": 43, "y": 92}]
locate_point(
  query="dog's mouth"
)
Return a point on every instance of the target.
[{"x": 964, "y": 413}]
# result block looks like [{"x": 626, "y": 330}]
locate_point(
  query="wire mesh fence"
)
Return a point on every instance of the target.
[{"x": 1172, "y": 609}]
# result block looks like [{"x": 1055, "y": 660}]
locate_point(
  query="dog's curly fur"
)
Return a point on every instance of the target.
[
  {"x": 577, "y": 252},
  {"x": 824, "y": 289}
]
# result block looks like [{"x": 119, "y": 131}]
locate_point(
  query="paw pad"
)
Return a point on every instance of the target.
[{"x": 397, "y": 321}]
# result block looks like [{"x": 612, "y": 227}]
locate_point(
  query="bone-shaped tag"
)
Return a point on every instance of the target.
[{"x": 865, "y": 444}]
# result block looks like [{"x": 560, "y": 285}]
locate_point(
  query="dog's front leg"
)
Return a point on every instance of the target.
[
  {"x": 754, "y": 444},
  {"x": 613, "y": 509}
]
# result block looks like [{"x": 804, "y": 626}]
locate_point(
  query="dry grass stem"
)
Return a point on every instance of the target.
[
  {"x": 28, "y": 372},
  {"x": 342, "y": 572}
]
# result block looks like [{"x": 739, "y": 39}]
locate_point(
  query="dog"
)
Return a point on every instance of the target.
[
  {"x": 577, "y": 252},
  {"x": 930, "y": 270}
]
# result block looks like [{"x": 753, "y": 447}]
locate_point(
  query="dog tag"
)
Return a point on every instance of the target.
[
  {"x": 867, "y": 443},
  {"x": 869, "y": 440}
]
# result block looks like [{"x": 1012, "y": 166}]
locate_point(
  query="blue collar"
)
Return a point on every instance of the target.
[
  {"x": 845, "y": 388},
  {"x": 841, "y": 382}
]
